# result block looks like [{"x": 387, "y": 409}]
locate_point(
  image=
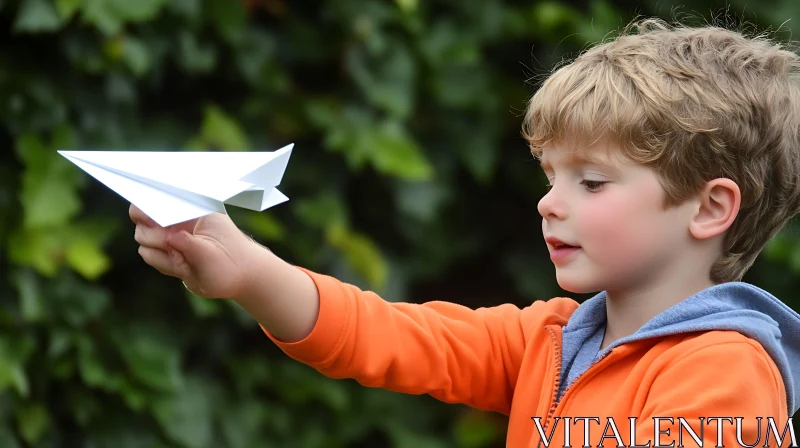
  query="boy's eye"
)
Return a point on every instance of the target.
[{"x": 592, "y": 185}]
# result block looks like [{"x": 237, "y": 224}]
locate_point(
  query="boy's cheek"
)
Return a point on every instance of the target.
[{"x": 616, "y": 236}]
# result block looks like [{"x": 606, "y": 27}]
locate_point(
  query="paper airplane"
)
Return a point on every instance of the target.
[{"x": 172, "y": 187}]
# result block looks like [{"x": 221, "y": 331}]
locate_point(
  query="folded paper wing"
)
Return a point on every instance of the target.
[{"x": 173, "y": 187}]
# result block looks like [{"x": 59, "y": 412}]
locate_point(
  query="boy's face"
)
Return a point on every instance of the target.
[{"x": 611, "y": 209}]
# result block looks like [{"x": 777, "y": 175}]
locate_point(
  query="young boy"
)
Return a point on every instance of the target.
[{"x": 673, "y": 156}]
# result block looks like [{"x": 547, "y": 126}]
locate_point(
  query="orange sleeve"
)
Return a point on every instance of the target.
[
  {"x": 729, "y": 380},
  {"x": 453, "y": 353}
]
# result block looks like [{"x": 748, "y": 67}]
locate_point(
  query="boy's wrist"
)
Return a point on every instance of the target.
[
  {"x": 260, "y": 263},
  {"x": 282, "y": 298}
]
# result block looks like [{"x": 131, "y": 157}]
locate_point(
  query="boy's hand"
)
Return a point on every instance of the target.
[{"x": 209, "y": 254}]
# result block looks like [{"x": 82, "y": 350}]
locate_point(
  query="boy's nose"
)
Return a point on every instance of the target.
[{"x": 551, "y": 206}]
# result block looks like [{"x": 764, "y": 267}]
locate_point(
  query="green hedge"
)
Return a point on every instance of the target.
[{"x": 409, "y": 178}]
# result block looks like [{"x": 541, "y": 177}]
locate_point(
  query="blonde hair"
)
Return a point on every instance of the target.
[{"x": 694, "y": 104}]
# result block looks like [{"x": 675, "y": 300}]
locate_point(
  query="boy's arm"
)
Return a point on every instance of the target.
[
  {"x": 721, "y": 382},
  {"x": 446, "y": 350},
  {"x": 449, "y": 351},
  {"x": 280, "y": 297}
]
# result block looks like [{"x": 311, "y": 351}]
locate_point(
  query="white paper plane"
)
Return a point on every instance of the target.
[{"x": 172, "y": 187}]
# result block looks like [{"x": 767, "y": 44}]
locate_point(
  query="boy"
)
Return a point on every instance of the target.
[{"x": 673, "y": 156}]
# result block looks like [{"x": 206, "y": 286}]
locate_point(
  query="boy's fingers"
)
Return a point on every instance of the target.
[
  {"x": 169, "y": 263},
  {"x": 158, "y": 259},
  {"x": 191, "y": 247},
  {"x": 186, "y": 225},
  {"x": 155, "y": 237},
  {"x": 138, "y": 216}
]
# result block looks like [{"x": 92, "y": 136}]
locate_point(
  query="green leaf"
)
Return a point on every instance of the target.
[
  {"x": 452, "y": 81},
  {"x": 60, "y": 342},
  {"x": 266, "y": 226},
  {"x": 109, "y": 15},
  {"x": 136, "y": 55},
  {"x": 190, "y": 9},
  {"x": 67, "y": 8},
  {"x": 478, "y": 151},
  {"x": 90, "y": 367},
  {"x": 393, "y": 152},
  {"x": 548, "y": 16},
  {"x": 151, "y": 358},
  {"x": 301, "y": 385},
  {"x": 78, "y": 302},
  {"x": 386, "y": 145},
  {"x": 334, "y": 394},
  {"x": 361, "y": 254},
  {"x": 422, "y": 200},
  {"x": 135, "y": 397},
  {"x": 12, "y": 372},
  {"x": 447, "y": 45},
  {"x": 220, "y": 131},
  {"x": 324, "y": 112},
  {"x": 388, "y": 83},
  {"x": 31, "y": 301},
  {"x": 13, "y": 375},
  {"x": 7, "y": 438},
  {"x": 33, "y": 421},
  {"x": 202, "y": 307},
  {"x": 407, "y": 6},
  {"x": 229, "y": 19},
  {"x": 322, "y": 211},
  {"x": 97, "y": 229},
  {"x": 36, "y": 16},
  {"x": 87, "y": 258},
  {"x": 40, "y": 249},
  {"x": 13, "y": 356},
  {"x": 102, "y": 15},
  {"x": 255, "y": 54},
  {"x": 120, "y": 88},
  {"x": 138, "y": 11},
  {"x": 196, "y": 57},
  {"x": 49, "y": 194},
  {"x": 250, "y": 372},
  {"x": 186, "y": 416},
  {"x": 242, "y": 421}
]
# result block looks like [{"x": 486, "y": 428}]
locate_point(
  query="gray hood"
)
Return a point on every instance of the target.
[{"x": 736, "y": 306}]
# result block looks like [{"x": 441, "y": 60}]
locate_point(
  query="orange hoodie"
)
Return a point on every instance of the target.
[{"x": 509, "y": 360}]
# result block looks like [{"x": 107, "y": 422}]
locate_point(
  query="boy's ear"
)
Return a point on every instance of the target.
[{"x": 718, "y": 205}]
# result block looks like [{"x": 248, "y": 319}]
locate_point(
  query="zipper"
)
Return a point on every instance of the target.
[
  {"x": 556, "y": 400},
  {"x": 557, "y": 384}
]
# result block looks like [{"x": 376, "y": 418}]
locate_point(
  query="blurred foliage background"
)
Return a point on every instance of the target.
[{"x": 409, "y": 177}]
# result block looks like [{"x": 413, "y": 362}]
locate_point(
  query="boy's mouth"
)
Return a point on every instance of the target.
[
  {"x": 555, "y": 243},
  {"x": 563, "y": 247}
]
